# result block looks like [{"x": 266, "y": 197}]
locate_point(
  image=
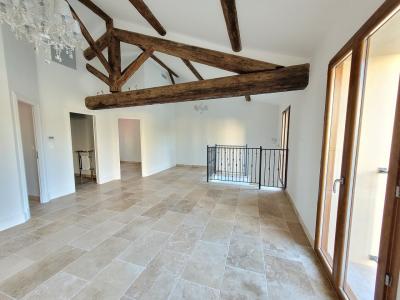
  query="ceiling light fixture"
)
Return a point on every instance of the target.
[{"x": 45, "y": 23}]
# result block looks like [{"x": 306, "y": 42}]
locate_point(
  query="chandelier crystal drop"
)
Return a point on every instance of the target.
[{"x": 45, "y": 23}]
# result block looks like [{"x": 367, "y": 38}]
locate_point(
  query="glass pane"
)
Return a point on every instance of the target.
[
  {"x": 341, "y": 80},
  {"x": 374, "y": 143}
]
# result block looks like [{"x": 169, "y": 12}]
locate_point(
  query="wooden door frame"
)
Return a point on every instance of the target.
[
  {"x": 390, "y": 241},
  {"x": 357, "y": 45}
]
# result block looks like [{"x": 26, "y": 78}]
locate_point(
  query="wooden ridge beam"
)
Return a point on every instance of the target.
[
  {"x": 101, "y": 43},
  {"x": 205, "y": 56},
  {"x": 98, "y": 74},
  {"x": 193, "y": 69},
  {"x": 98, "y": 11},
  {"x": 281, "y": 80},
  {"x": 90, "y": 41},
  {"x": 146, "y": 13},
  {"x": 232, "y": 23}
]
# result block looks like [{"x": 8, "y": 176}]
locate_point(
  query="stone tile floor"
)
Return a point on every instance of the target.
[{"x": 168, "y": 236}]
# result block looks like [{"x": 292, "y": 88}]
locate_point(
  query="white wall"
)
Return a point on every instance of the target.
[
  {"x": 230, "y": 121},
  {"x": 308, "y": 113},
  {"x": 129, "y": 140},
  {"x": 29, "y": 148}
]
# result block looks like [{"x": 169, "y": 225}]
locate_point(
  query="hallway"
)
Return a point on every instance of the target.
[{"x": 167, "y": 236}]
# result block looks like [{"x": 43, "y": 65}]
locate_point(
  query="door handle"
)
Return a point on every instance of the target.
[{"x": 340, "y": 181}]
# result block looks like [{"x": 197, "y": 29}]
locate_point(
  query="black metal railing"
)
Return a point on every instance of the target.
[{"x": 264, "y": 167}]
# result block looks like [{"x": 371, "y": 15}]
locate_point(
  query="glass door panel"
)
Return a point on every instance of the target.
[
  {"x": 373, "y": 153},
  {"x": 337, "y": 119}
]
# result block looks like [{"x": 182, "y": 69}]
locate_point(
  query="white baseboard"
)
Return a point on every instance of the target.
[
  {"x": 12, "y": 221},
  {"x": 309, "y": 236}
]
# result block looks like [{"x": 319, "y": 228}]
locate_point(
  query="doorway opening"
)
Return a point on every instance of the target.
[
  {"x": 30, "y": 152},
  {"x": 130, "y": 148},
  {"x": 83, "y": 149}
]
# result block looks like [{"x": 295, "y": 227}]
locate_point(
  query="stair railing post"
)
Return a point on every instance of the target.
[
  {"x": 208, "y": 162},
  {"x": 259, "y": 176}
]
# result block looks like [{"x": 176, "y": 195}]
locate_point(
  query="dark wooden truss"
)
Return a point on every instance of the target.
[{"x": 254, "y": 76}]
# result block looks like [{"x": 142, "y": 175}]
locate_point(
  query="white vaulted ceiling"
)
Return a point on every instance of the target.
[{"x": 291, "y": 29}]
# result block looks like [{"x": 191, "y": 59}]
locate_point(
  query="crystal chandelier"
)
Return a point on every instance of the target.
[{"x": 45, "y": 23}]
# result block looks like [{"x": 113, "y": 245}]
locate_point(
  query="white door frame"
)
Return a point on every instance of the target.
[
  {"x": 96, "y": 155},
  {"x": 41, "y": 162}
]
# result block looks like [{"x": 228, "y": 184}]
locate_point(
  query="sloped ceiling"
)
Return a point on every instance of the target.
[{"x": 291, "y": 28}]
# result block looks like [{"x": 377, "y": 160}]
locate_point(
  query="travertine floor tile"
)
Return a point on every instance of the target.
[
  {"x": 28, "y": 279},
  {"x": 89, "y": 264},
  {"x": 184, "y": 239},
  {"x": 111, "y": 283},
  {"x": 60, "y": 286},
  {"x": 247, "y": 225},
  {"x": 186, "y": 290},
  {"x": 12, "y": 264},
  {"x": 207, "y": 264},
  {"x": 168, "y": 236},
  {"x": 287, "y": 279},
  {"x": 145, "y": 248},
  {"x": 97, "y": 235},
  {"x": 139, "y": 226},
  {"x": 169, "y": 222},
  {"x": 218, "y": 231},
  {"x": 225, "y": 212},
  {"x": 241, "y": 284},
  {"x": 246, "y": 252}
]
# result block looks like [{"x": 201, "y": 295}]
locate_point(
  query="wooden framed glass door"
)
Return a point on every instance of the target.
[
  {"x": 335, "y": 133},
  {"x": 357, "y": 234},
  {"x": 371, "y": 166}
]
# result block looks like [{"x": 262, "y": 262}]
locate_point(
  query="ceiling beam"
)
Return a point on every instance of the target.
[
  {"x": 98, "y": 74},
  {"x": 232, "y": 23},
  {"x": 101, "y": 43},
  {"x": 193, "y": 69},
  {"x": 114, "y": 59},
  {"x": 281, "y": 80},
  {"x": 229, "y": 62},
  {"x": 98, "y": 11},
  {"x": 162, "y": 64},
  {"x": 134, "y": 66},
  {"x": 146, "y": 13},
  {"x": 91, "y": 42},
  {"x": 171, "y": 77}
]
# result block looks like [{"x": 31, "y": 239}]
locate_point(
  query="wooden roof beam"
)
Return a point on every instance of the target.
[
  {"x": 101, "y": 43},
  {"x": 98, "y": 74},
  {"x": 232, "y": 23},
  {"x": 193, "y": 69},
  {"x": 281, "y": 80},
  {"x": 134, "y": 66},
  {"x": 91, "y": 42},
  {"x": 217, "y": 59},
  {"x": 162, "y": 64},
  {"x": 146, "y": 13},
  {"x": 98, "y": 11}
]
